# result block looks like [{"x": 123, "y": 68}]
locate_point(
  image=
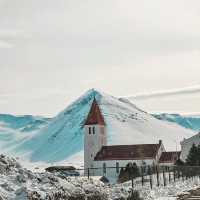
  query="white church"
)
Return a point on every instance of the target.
[{"x": 97, "y": 154}]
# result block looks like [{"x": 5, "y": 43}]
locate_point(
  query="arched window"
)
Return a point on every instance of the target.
[
  {"x": 90, "y": 131},
  {"x": 93, "y": 130},
  {"x": 104, "y": 168},
  {"x": 117, "y": 167}
]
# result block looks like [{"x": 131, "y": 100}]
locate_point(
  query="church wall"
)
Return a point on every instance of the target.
[
  {"x": 167, "y": 164},
  {"x": 93, "y": 143},
  {"x": 112, "y": 172}
]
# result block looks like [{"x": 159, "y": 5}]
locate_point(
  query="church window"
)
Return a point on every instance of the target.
[
  {"x": 90, "y": 130},
  {"x": 93, "y": 130},
  {"x": 117, "y": 167},
  {"x": 104, "y": 168}
]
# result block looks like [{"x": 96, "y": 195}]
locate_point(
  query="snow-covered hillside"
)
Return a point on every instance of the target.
[
  {"x": 126, "y": 124},
  {"x": 15, "y": 129},
  {"x": 187, "y": 121},
  {"x": 25, "y": 123}
]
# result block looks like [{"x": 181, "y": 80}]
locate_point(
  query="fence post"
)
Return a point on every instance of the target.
[
  {"x": 132, "y": 183},
  {"x": 88, "y": 173},
  {"x": 151, "y": 183},
  {"x": 164, "y": 180},
  {"x": 182, "y": 174},
  {"x": 198, "y": 173},
  {"x": 132, "y": 179},
  {"x": 174, "y": 171},
  {"x": 142, "y": 176},
  {"x": 157, "y": 176},
  {"x": 150, "y": 171},
  {"x": 178, "y": 170},
  {"x": 169, "y": 175},
  {"x": 129, "y": 173},
  {"x": 186, "y": 175}
]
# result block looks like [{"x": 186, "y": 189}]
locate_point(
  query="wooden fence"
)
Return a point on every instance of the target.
[{"x": 148, "y": 175}]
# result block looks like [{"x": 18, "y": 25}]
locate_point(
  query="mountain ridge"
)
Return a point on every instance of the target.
[
  {"x": 62, "y": 137},
  {"x": 187, "y": 121}
]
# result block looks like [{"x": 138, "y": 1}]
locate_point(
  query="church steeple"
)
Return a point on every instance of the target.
[
  {"x": 95, "y": 134},
  {"x": 95, "y": 116}
]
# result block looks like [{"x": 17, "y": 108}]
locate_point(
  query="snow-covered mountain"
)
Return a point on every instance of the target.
[
  {"x": 187, "y": 121},
  {"x": 126, "y": 124},
  {"x": 25, "y": 123},
  {"x": 15, "y": 129}
]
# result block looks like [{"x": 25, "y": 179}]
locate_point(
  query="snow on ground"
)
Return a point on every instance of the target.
[
  {"x": 162, "y": 193},
  {"x": 18, "y": 183},
  {"x": 170, "y": 191},
  {"x": 75, "y": 160}
]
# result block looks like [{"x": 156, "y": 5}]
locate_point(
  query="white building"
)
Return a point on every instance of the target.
[
  {"x": 169, "y": 158},
  {"x": 186, "y": 145},
  {"x": 107, "y": 160}
]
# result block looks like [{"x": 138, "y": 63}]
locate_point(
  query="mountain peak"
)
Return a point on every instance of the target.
[{"x": 94, "y": 92}]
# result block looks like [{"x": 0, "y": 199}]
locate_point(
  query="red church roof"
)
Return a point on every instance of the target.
[
  {"x": 128, "y": 152},
  {"x": 95, "y": 116}
]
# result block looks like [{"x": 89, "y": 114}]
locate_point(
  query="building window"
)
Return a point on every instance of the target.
[
  {"x": 104, "y": 168},
  {"x": 117, "y": 167},
  {"x": 93, "y": 130},
  {"x": 90, "y": 130}
]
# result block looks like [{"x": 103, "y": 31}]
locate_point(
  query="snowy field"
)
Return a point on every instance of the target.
[
  {"x": 18, "y": 183},
  {"x": 163, "y": 193}
]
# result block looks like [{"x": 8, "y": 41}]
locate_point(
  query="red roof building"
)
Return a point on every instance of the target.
[
  {"x": 169, "y": 157},
  {"x": 128, "y": 152},
  {"x": 95, "y": 116}
]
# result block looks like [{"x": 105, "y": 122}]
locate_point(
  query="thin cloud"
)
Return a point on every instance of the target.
[
  {"x": 5, "y": 45},
  {"x": 11, "y": 36},
  {"x": 166, "y": 93}
]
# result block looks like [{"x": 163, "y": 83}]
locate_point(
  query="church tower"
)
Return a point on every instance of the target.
[{"x": 95, "y": 134}]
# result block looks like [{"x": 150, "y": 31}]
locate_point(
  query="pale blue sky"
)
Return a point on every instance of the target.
[{"x": 52, "y": 51}]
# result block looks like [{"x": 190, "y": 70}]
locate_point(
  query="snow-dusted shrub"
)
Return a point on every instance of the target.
[
  {"x": 77, "y": 197},
  {"x": 7, "y": 165},
  {"x": 120, "y": 198},
  {"x": 22, "y": 184},
  {"x": 33, "y": 195},
  {"x": 134, "y": 196},
  {"x": 97, "y": 196},
  {"x": 130, "y": 171}
]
